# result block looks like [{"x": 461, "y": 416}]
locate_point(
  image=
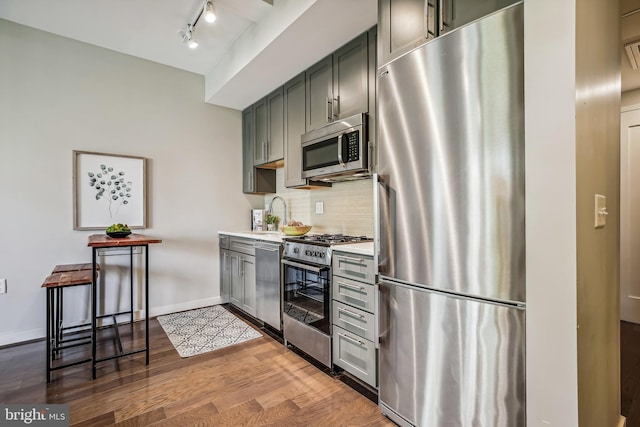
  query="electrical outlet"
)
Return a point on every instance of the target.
[
  {"x": 319, "y": 208},
  {"x": 3, "y": 286}
]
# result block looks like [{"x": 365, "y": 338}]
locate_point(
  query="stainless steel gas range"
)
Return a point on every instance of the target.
[{"x": 307, "y": 292}]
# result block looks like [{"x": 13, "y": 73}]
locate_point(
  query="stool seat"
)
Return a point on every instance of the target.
[
  {"x": 74, "y": 267},
  {"x": 68, "y": 278}
]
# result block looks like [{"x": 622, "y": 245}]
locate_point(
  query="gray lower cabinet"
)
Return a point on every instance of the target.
[
  {"x": 355, "y": 316},
  {"x": 225, "y": 269},
  {"x": 243, "y": 275}
]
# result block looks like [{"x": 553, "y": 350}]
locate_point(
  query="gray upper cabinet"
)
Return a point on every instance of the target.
[
  {"x": 294, "y": 127},
  {"x": 269, "y": 128},
  {"x": 275, "y": 132},
  {"x": 403, "y": 25},
  {"x": 456, "y": 13},
  {"x": 248, "y": 182},
  {"x": 338, "y": 86},
  {"x": 261, "y": 126},
  {"x": 319, "y": 93},
  {"x": 350, "y": 79},
  {"x": 254, "y": 180},
  {"x": 407, "y": 24}
]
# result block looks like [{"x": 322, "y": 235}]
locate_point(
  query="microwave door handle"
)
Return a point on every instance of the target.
[{"x": 340, "y": 151}]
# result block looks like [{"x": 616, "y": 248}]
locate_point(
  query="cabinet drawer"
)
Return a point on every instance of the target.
[
  {"x": 353, "y": 320},
  {"x": 353, "y": 266},
  {"x": 355, "y": 355},
  {"x": 245, "y": 246},
  {"x": 357, "y": 294}
]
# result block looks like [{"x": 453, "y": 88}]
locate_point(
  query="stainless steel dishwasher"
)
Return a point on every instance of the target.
[{"x": 269, "y": 284}]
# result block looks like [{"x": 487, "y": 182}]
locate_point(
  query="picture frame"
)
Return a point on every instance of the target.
[{"x": 108, "y": 189}]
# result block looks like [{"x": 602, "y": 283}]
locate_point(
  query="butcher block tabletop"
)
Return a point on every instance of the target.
[{"x": 104, "y": 241}]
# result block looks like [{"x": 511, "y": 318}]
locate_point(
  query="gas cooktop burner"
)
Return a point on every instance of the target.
[{"x": 329, "y": 239}]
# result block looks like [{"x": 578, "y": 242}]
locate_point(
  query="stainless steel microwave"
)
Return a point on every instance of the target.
[{"x": 337, "y": 151}]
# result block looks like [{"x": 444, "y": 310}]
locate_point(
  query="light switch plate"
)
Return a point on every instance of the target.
[
  {"x": 319, "y": 208},
  {"x": 600, "y": 214}
]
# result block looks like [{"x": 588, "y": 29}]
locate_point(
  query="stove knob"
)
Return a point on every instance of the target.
[
  {"x": 296, "y": 250},
  {"x": 307, "y": 252},
  {"x": 322, "y": 255}
]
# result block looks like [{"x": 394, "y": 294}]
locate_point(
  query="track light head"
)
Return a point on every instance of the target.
[
  {"x": 187, "y": 37},
  {"x": 209, "y": 12}
]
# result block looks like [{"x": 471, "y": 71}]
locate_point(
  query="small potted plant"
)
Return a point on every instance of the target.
[{"x": 272, "y": 222}]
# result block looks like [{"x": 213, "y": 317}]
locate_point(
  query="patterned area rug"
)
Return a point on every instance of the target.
[{"x": 205, "y": 329}]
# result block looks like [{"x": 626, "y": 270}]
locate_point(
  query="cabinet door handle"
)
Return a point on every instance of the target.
[
  {"x": 351, "y": 313},
  {"x": 335, "y": 107},
  {"x": 329, "y": 116},
  {"x": 446, "y": 15},
  {"x": 348, "y": 338},
  {"x": 348, "y": 258},
  {"x": 349, "y": 286},
  {"x": 430, "y": 27}
]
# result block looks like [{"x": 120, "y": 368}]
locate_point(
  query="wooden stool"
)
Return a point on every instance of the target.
[{"x": 65, "y": 276}]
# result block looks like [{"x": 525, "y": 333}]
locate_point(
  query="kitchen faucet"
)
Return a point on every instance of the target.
[{"x": 283, "y": 203}]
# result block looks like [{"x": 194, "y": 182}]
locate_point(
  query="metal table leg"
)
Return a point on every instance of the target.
[{"x": 94, "y": 312}]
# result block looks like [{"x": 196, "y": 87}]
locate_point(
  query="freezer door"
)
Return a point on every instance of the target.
[
  {"x": 451, "y": 161},
  {"x": 449, "y": 361}
]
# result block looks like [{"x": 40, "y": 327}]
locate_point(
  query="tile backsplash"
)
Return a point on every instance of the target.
[{"x": 348, "y": 206}]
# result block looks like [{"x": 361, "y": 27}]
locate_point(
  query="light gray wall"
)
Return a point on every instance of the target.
[
  {"x": 572, "y": 104},
  {"x": 59, "y": 95}
]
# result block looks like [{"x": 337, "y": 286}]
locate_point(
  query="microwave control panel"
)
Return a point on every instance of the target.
[{"x": 352, "y": 146}]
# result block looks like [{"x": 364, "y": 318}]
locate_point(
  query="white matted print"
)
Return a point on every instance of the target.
[{"x": 108, "y": 189}]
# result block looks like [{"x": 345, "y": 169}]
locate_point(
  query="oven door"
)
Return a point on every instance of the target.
[{"x": 306, "y": 294}]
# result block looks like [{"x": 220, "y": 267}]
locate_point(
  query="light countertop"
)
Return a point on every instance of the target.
[
  {"x": 269, "y": 236},
  {"x": 365, "y": 248}
]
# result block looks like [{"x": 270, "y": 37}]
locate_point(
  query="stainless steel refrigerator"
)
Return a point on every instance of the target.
[{"x": 451, "y": 243}]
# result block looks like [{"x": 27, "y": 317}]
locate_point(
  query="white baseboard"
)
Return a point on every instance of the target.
[
  {"x": 22, "y": 336},
  {"x": 34, "y": 334},
  {"x": 622, "y": 422}
]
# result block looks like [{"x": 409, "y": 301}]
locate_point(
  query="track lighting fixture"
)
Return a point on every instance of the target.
[{"x": 209, "y": 13}]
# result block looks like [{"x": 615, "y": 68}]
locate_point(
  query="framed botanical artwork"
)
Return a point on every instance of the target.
[{"x": 108, "y": 189}]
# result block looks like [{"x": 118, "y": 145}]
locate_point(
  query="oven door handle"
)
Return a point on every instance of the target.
[{"x": 303, "y": 266}]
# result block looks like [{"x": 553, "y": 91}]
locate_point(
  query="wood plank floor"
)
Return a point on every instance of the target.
[
  {"x": 630, "y": 373},
  {"x": 259, "y": 382}
]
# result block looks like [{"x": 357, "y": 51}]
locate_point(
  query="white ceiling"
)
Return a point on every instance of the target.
[
  {"x": 228, "y": 50},
  {"x": 253, "y": 47}
]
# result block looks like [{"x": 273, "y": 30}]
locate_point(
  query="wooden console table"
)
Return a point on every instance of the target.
[{"x": 101, "y": 241}]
